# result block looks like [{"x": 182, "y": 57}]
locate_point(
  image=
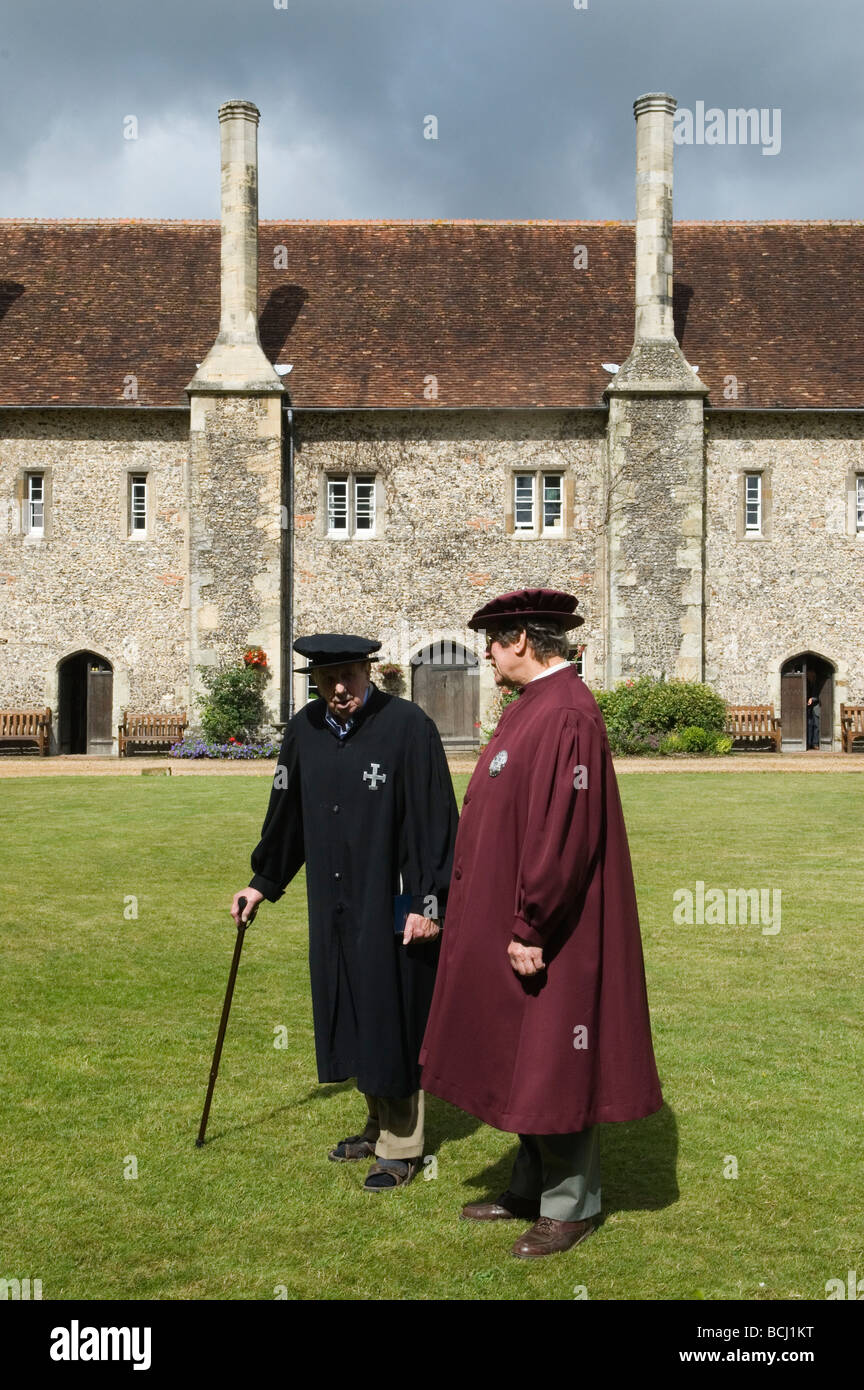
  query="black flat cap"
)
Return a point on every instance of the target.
[{"x": 334, "y": 649}]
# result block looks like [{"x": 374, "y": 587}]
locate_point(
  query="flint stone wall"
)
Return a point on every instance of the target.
[
  {"x": 87, "y": 584},
  {"x": 442, "y": 547},
  {"x": 236, "y": 534},
  {"x": 655, "y": 473},
  {"x": 802, "y": 587},
  {"x": 444, "y": 542}
]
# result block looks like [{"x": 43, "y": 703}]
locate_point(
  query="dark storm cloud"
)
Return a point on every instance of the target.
[{"x": 533, "y": 100}]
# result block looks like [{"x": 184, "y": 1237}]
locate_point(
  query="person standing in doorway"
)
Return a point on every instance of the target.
[{"x": 814, "y": 710}]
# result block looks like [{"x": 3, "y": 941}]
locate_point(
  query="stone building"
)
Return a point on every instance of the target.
[{"x": 418, "y": 418}]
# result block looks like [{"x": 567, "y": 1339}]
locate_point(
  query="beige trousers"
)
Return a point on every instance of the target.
[{"x": 395, "y": 1127}]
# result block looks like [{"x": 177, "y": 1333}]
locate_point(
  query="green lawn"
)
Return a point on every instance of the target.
[{"x": 107, "y": 1026}]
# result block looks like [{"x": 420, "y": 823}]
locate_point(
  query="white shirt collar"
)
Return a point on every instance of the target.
[{"x": 550, "y": 671}]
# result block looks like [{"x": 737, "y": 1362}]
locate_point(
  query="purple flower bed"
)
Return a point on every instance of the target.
[{"x": 200, "y": 748}]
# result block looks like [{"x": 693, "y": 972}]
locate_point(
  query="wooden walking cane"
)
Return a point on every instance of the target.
[{"x": 238, "y": 947}]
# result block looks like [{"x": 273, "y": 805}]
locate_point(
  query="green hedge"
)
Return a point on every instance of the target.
[{"x": 651, "y": 716}]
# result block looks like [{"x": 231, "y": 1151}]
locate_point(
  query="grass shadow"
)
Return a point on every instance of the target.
[
  {"x": 638, "y": 1164},
  {"x": 446, "y": 1123},
  {"x": 314, "y": 1093}
]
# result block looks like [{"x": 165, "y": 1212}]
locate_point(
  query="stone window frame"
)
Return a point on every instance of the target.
[
  {"x": 140, "y": 470},
  {"x": 854, "y": 490},
  {"x": 46, "y": 471},
  {"x": 765, "y": 534},
  {"x": 352, "y": 476},
  {"x": 568, "y": 503}
]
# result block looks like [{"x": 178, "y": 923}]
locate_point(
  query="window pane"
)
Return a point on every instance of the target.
[
  {"x": 860, "y": 502},
  {"x": 35, "y": 503},
  {"x": 337, "y": 506},
  {"x": 553, "y": 511},
  {"x": 753, "y": 502},
  {"x": 364, "y": 504},
  {"x": 523, "y": 501},
  {"x": 139, "y": 502}
]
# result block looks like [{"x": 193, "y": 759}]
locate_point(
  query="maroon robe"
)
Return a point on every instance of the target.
[{"x": 542, "y": 859}]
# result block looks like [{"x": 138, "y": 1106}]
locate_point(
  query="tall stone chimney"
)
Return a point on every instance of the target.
[
  {"x": 655, "y": 449},
  {"x": 654, "y": 114},
  {"x": 235, "y": 489},
  {"x": 236, "y": 361}
]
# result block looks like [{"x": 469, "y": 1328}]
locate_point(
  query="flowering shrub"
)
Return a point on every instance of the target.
[
  {"x": 234, "y": 703},
  {"x": 392, "y": 678},
  {"x": 636, "y": 739},
  {"x": 199, "y": 747}
]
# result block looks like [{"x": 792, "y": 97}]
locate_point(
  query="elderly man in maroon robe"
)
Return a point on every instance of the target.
[{"x": 539, "y": 1022}]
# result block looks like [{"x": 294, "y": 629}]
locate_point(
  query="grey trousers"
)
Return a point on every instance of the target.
[
  {"x": 395, "y": 1127},
  {"x": 562, "y": 1170}
]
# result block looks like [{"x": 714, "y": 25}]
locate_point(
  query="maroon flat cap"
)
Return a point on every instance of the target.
[{"x": 528, "y": 605}]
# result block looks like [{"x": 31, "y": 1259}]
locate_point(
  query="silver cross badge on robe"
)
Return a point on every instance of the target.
[{"x": 374, "y": 777}]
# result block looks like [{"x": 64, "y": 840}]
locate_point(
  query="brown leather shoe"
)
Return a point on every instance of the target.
[
  {"x": 508, "y": 1207},
  {"x": 547, "y": 1237}
]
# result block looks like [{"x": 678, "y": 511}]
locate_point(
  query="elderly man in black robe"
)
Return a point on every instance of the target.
[{"x": 362, "y": 795}]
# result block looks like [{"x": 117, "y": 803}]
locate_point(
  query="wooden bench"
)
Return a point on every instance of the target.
[
  {"x": 851, "y": 725},
  {"x": 753, "y": 724},
  {"x": 150, "y": 730},
  {"x": 26, "y": 726}
]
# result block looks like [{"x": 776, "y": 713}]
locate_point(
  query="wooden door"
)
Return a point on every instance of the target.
[
  {"x": 450, "y": 695},
  {"x": 793, "y": 725},
  {"x": 100, "y": 683}
]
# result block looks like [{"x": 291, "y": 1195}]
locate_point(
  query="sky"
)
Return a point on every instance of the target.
[{"x": 108, "y": 108}]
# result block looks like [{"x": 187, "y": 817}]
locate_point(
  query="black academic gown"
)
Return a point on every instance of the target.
[{"x": 366, "y": 834}]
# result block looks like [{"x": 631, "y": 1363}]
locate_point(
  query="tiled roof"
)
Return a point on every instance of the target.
[{"x": 368, "y": 311}]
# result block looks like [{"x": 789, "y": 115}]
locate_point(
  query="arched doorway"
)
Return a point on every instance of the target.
[
  {"x": 86, "y": 696},
  {"x": 807, "y": 683},
  {"x": 445, "y": 682}
]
